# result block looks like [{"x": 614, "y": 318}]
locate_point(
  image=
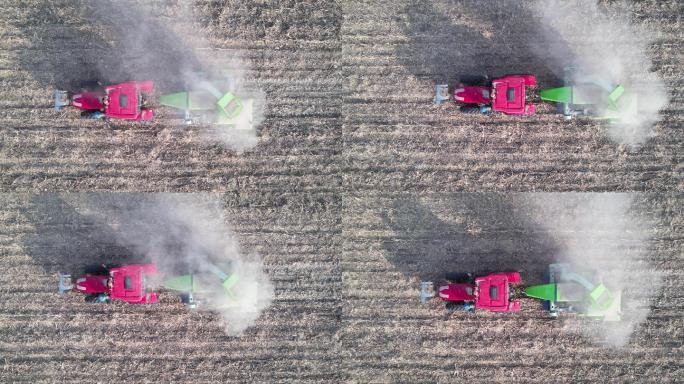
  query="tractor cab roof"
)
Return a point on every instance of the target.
[
  {"x": 509, "y": 96},
  {"x": 493, "y": 292},
  {"x": 124, "y": 100},
  {"x": 129, "y": 283}
]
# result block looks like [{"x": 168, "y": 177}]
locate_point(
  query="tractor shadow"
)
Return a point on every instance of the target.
[
  {"x": 470, "y": 232},
  {"x": 65, "y": 240},
  {"x": 82, "y": 230},
  {"x": 478, "y": 38},
  {"x": 77, "y": 42}
]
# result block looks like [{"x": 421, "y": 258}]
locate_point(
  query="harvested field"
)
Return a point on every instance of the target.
[
  {"x": 391, "y": 241},
  {"x": 394, "y": 137},
  {"x": 292, "y": 56},
  {"x": 358, "y": 188},
  {"x": 346, "y": 294},
  {"x": 46, "y": 337}
]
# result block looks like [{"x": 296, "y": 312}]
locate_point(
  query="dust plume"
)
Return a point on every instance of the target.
[
  {"x": 188, "y": 233},
  {"x": 602, "y": 45},
  {"x": 601, "y": 232},
  {"x": 177, "y": 55}
]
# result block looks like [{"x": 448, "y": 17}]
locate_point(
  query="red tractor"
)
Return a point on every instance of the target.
[
  {"x": 104, "y": 284},
  {"x": 462, "y": 292},
  {"x": 506, "y": 94},
  {"x": 125, "y": 101}
]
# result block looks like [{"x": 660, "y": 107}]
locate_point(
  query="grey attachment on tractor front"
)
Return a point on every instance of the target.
[
  {"x": 65, "y": 284},
  {"x": 427, "y": 291},
  {"x": 61, "y": 99},
  {"x": 441, "y": 93}
]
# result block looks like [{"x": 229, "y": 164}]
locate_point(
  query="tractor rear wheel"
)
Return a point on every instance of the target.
[
  {"x": 532, "y": 96},
  {"x": 91, "y": 299},
  {"x": 470, "y": 109},
  {"x": 149, "y": 100}
]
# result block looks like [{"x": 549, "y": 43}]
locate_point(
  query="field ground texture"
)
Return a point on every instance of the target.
[
  {"x": 348, "y": 90},
  {"x": 346, "y": 302},
  {"x": 351, "y": 195},
  {"x": 46, "y": 337}
]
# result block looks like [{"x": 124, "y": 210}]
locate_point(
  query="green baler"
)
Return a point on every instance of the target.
[
  {"x": 211, "y": 282},
  {"x": 569, "y": 291},
  {"x": 587, "y": 96},
  {"x": 207, "y": 103}
]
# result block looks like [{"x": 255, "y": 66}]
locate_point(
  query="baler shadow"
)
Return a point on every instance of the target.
[{"x": 470, "y": 232}]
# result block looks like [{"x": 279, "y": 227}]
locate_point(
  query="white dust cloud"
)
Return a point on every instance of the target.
[
  {"x": 183, "y": 233},
  {"x": 601, "y": 232},
  {"x": 607, "y": 47}
]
